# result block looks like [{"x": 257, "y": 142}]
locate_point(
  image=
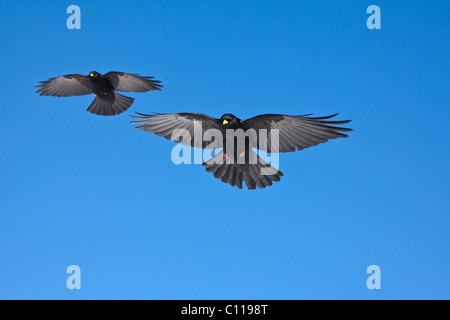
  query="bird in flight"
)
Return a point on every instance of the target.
[
  {"x": 237, "y": 163},
  {"x": 106, "y": 102}
]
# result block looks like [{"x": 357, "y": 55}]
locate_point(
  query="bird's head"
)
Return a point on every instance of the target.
[
  {"x": 94, "y": 74},
  {"x": 229, "y": 120}
]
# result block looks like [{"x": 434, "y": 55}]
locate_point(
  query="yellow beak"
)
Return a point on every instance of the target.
[
  {"x": 225, "y": 122},
  {"x": 91, "y": 74}
]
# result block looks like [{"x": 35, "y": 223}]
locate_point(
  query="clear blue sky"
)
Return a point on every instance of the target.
[{"x": 80, "y": 189}]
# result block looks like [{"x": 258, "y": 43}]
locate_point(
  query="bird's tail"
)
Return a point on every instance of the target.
[
  {"x": 255, "y": 172},
  {"x": 110, "y": 104}
]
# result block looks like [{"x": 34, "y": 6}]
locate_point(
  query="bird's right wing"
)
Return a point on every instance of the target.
[
  {"x": 65, "y": 86},
  {"x": 127, "y": 82},
  {"x": 294, "y": 132},
  {"x": 185, "y": 128}
]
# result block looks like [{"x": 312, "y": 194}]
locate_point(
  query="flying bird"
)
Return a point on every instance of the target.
[
  {"x": 106, "y": 102},
  {"x": 237, "y": 162}
]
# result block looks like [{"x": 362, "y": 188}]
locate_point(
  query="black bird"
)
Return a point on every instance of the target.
[
  {"x": 294, "y": 133},
  {"x": 107, "y": 102}
]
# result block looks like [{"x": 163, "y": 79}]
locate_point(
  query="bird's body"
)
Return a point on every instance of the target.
[
  {"x": 100, "y": 85},
  {"x": 231, "y": 149},
  {"x": 237, "y": 162},
  {"x": 106, "y": 102}
]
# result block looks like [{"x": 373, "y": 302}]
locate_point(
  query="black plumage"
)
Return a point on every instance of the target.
[
  {"x": 106, "y": 102},
  {"x": 293, "y": 133}
]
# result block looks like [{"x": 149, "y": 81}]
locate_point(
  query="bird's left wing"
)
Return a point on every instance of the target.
[
  {"x": 65, "y": 86},
  {"x": 294, "y": 132},
  {"x": 186, "y": 128},
  {"x": 122, "y": 81}
]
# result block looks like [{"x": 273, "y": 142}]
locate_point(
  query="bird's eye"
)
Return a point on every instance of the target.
[
  {"x": 225, "y": 122},
  {"x": 91, "y": 74}
]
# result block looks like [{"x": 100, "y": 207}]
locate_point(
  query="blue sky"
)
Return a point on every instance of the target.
[{"x": 79, "y": 189}]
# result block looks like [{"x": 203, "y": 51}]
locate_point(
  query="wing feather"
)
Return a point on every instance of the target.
[
  {"x": 65, "y": 86},
  {"x": 166, "y": 124},
  {"x": 295, "y": 132},
  {"x": 122, "y": 81}
]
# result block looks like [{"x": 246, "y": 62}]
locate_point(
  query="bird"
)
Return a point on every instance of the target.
[
  {"x": 237, "y": 162},
  {"x": 107, "y": 102}
]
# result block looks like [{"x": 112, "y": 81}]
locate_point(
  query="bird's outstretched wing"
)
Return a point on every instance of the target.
[
  {"x": 294, "y": 132},
  {"x": 65, "y": 86},
  {"x": 192, "y": 125},
  {"x": 122, "y": 81}
]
